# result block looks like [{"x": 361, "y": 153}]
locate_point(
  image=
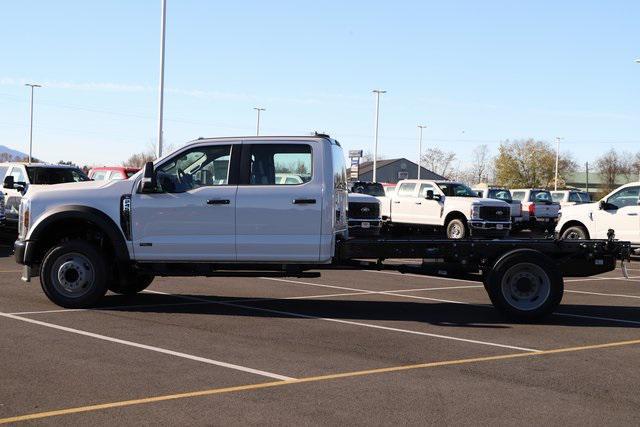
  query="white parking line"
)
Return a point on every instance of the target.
[
  {"x": 606, "y": 319},
  {"x": 602, "y": 294},
  {"x": 148, "y": 347},
  {"x": 348, "y": 322}
]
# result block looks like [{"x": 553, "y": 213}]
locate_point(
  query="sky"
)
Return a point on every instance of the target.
[{"x": 474, "y": 72}]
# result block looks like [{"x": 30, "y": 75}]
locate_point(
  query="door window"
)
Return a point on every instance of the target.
[
  {"x": 625, "y": 197},
  {"x": 280, "y": 164},
  {"x": 18, "y": 175},
  {"x": 116, "y": 175},
  {"x": 195, "y": 168},
  {"x": 574, "y": 197},
  {"x": 423, "y": 190},
  {"x": 406, "y": 189},
  {"x": 3, "y": 171}
]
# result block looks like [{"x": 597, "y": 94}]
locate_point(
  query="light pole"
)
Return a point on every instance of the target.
[
  {"x": 163, "y": 22},
  {"x": 32, "y": 86},
  {"x": 420, "y": 150},
  {"x": 375, "y": 146},
  {"x": 555, "y": 184},
  {"x": 258, "y": 109}
]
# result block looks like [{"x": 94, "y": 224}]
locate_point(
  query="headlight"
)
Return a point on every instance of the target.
[
  {"x": 24, "y": 218},
  {"x": 475, "y": 212}
]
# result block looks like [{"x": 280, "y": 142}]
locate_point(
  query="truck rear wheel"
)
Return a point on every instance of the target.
[
  {"x": 73, "y": 274},
  {"x": 131, "y": 284},
  {"x": 525, "y": 285},
  {"x": 457, "y": 229},
  {"x": 576, "y": 232}
]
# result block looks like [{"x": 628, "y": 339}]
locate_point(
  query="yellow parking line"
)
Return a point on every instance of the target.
[
  {"x": 10, "y": 271},
  {"x": 124, "y": 403}
]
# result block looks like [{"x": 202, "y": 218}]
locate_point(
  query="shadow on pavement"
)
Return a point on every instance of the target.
[{"x": 435, "y": 313}]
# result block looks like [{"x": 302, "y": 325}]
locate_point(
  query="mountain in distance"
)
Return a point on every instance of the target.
[{"x": 9, "y": 154}]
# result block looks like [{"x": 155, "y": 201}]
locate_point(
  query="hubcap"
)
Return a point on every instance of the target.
[
  {"x": 526, "y": 286},
  {"x": 73, "y": 275},
  {"x": 455, "y": 232},
  {"x": 574, "y": 235}
]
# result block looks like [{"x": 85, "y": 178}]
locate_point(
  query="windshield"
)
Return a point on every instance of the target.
[
  {"x": 47, "y": 176},
  {"x": 541, "y": 196},
  {"x": 500, "y": 195},
  {"x": 370, "y": 188},
  {"x": 456, "y": 190}
]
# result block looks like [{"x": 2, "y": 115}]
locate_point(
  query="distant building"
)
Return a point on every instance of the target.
[
  {"x": 595, "y": 183},
  {"x": 393, "y": 170}
]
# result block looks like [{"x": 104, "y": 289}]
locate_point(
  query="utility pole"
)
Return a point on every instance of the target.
[
  {"x": 587, "y": 170},
  {"x": 258, "y": 109},
  {"x": 555, "y": 184},
  {"x": 32, "y": 86},
  {"x": 163, "y": 22},
  {"x": 375, "y": 146},
  {"x": 420, "y": 150}
]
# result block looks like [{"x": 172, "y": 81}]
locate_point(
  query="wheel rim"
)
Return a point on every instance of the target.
[
  {"x": 73, "y": 275},
  {"x": 526, "y": 286},
  {"x": 455, "y": 231},
  {"x": 573, "y": 235}
]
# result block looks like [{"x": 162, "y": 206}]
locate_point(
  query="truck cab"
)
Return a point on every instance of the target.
[{"x": 449, "y": 205}]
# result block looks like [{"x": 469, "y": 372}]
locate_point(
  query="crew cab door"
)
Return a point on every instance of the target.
[
  {"x": 621, "y": 213},
  {"x": 428, "y": 211},
  {"x": 192, "y": 215},
  {"x": 280, "y": 220}
]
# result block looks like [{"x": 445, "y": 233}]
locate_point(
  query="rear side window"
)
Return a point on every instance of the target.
[
  {"x": 406, "y": 189},
  {"x": 280, "y": 164},
  {"x": 557, "y": 197},
  {"x": 518, "y": 195}
]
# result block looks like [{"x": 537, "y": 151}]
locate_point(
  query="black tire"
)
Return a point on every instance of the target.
[
  {"x": 131, "y": 284},
  {"x": 525, "y": 285},
  {"x": 457, "y": 229},
  {"x": 83, "y": 269},
  {"x": 575, "y": 232}
]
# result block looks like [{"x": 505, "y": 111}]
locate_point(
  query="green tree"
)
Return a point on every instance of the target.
[{"x": 530, "y": 163}]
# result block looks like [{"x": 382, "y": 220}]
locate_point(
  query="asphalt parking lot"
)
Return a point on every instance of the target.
[{"x": 356, "y": 347}]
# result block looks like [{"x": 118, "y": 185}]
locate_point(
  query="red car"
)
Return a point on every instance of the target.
[{"x": 106, "y": 173}]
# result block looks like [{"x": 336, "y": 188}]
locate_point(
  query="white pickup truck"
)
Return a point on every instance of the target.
[
  {"x": 450, "y": 205},
  {"x": 215, "y": 205},
  {"x": 618, "y": 211},
  {"x": 501, "y": 193},
  {"x": 540, "y": 207}
]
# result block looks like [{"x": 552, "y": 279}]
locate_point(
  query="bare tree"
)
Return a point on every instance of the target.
[
  {"x": 138, "y": 160},
  {"x": 610, "y": 165},
  {"x": 480, "y": 164},
  {"x": 368, "y": 156},
  {"x": 438, "y": 161}
]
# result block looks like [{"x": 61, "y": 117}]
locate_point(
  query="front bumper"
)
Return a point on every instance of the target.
[{"x": 489, "y": 225}]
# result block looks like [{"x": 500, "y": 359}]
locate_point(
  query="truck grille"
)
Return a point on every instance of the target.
[
  {"x": 495, "y": 213},
  {"x": 364, "y": 210}
]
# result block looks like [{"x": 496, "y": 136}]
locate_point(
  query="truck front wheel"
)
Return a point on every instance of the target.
[
  {"x": 457, "y": 229},
  {"x": 525, "y": 285},
  {"x": 130, "y": 284},
  {"x": 73, "y": 274}
]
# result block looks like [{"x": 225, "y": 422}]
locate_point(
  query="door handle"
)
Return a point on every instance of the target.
[
  {"x": 396, "y": 201},
  {"x": 304, "y": 201},
  {"x": 418, "y": 203},
  {"x": 218, "y": 201},
  {"x": 632, "y": 214}
]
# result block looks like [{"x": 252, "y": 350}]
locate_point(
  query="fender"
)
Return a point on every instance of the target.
[{"x": 97, "y": 217}]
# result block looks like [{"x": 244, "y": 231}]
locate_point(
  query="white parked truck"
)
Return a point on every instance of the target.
[
  {"x": 501, "y": 193},
  {"x": 618, "y": 211},
  {"x": 215, "y": 205},
  {"x": 449, "y": 205},
  {"x": 538, "y": 204}
]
